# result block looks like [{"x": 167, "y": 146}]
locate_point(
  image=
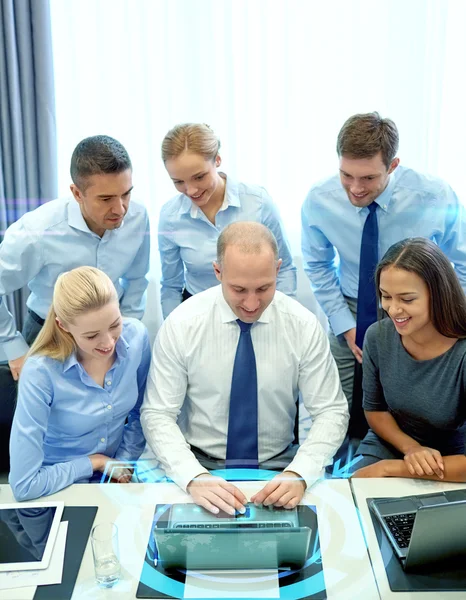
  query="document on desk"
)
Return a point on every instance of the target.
[
  {"x": 232, "y": 584},
  {"x": 22, "y": 593},
  {"x": 10, "y": 580}
]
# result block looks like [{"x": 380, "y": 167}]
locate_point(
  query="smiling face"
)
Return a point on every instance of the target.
[
  {"x": 405, "y": 298},
  {"x": 364, "y": 179},
  {"x": 96, "y": 332},
  {"x": 197, "y": 178},
  {"x": 105, "y": 200},
  {"x": 248, "y": 281}
]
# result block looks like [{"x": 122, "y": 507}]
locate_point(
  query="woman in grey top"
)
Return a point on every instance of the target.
[{"x": 415, "y": 369}]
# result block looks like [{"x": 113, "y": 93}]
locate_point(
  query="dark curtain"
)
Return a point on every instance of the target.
[{"x": 28, "y": 157}]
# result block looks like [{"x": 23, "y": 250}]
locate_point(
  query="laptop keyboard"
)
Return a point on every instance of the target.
[
  {"x": 238, "y": 525},
  {"x": 401, "y": 527}
]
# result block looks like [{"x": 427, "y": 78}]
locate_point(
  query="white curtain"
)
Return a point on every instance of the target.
[{"x": 275, "y": 79}]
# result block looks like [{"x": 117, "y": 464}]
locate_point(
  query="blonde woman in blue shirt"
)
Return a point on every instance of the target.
[
  {"x": 208, "y": 201},
  {"x": 80, "y": 390}
]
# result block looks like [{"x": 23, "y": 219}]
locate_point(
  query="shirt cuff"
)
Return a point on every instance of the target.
[
  {"x": 342, "y": 321},
  {"x": 14, "y": 348},
  {"x": 82, "y": 468},
  {"x": 189, "y": 472},
  {"x": 309, "y": 474}
]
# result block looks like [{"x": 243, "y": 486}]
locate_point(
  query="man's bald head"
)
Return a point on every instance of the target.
[
  {"x": 248, "y": 236},
  {"x": 247, "y": 267}
]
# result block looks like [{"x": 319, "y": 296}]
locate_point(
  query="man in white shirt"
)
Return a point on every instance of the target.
[{"x": 190, "y": 399}]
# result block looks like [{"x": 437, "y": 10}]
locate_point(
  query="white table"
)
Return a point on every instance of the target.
[
  {"x": 347, "y": 571},
  {"x": 390, "y": 486}
]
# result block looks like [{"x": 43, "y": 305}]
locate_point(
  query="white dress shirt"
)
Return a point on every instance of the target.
[{"x": 188, "y": 388}]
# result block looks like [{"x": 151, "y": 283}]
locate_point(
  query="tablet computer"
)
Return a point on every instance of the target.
[{"x": 28, "y": 531}]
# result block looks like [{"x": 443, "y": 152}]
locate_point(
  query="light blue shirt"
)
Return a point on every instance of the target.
[
  {"x": 188, "y": 240},
  {"x": 63, "y": 416},
  {"x": 412, "y": 205},
  {"x": 53, "y": 239}
]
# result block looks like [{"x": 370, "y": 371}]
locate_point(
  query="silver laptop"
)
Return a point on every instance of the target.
[
  {"x": 424, "y": 528},
  {"x": 261, "y": 538}
]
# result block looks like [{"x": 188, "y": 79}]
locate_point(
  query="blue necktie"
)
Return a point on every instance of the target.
[
  {"x": 367, "y": 297},
  {"x": 242, "y": 443}
]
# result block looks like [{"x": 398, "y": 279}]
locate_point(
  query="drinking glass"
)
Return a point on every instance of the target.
[{"x": 104, "y": 539}]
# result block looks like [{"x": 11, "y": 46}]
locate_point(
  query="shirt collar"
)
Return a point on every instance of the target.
[
  {"x": 228, "y": 316},
  {"x": 185, "y": 205},
  {"x": 76, "y": 220},
  {"x": 232, "y": 192},
  {"x": 384, "y": 199},
  {"x": 70, "y": 362},
  {"x": 121, "y": 350},
  {"x": 231, "y": 199},
  {"x": 75, "y": 217}
]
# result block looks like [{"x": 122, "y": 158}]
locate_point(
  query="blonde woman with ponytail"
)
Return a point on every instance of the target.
[
  {"x": 80, "y": 390},
  {"x": 208, "y": 201}
]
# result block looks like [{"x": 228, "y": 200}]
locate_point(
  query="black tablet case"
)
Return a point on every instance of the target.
[{"x": 80, "y": 520}]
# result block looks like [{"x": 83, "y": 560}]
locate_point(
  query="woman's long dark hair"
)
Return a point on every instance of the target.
[{"x": 447, "y": 299}]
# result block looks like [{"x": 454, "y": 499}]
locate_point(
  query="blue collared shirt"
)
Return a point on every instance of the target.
[
  {"x": 188, "y": 240},
  {"x": 53, "y": 239},
  {"x": 412, "y": 205},
  {"x": 63, "y": 416}
]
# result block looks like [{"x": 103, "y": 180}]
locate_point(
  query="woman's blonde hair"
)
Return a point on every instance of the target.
[
  {"x": 75, "y": 293},
  {"x": 197, "y": 138}
]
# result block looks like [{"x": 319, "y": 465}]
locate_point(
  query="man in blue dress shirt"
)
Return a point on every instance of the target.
[
  {"x": 97, "y": 226},
  {"x": 408, "y": 204}
]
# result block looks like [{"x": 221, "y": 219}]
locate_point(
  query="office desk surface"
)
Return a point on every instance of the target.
[
  {"x": 347, "y": 571},
  {"x": 390, "y": 486}
]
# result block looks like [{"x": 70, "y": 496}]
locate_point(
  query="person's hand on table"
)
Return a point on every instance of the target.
[
  {"x": 350, "y": 337},
  {"x": 285, "y": 489},
  {"x": 215, "y": 494},
  {"x": 422, "y": 460},
  {"x": 121, "y": 475},
  {"x": 16, "y": 366},
  {"x": 118, "y": 474}
]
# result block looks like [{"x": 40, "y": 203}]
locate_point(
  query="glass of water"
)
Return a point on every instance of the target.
[{"x": 104, "y": 539}]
